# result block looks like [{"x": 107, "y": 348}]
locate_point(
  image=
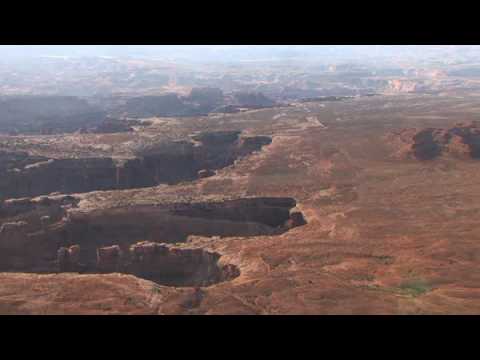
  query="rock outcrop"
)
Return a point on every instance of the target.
[
  {"x": 174, "y": 266},
  {"x": 68, "y": 259},
  {"x": 405, "y": 86},
  {"x": 14, "y": 246},
  {"x": 296, "y": 219},
  {"x": 461, "y": 141},
  {"x": 204, "y": 173},
  {"x": 13, "y": 235},
  {"x": 109, "y": 259}
]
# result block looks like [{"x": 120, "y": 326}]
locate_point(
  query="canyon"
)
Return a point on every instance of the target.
[
  {"x": 335, "y": 204},
  {"x": 53, "y": 234},
  {"x": 45, "y": 230},
  {"x": 167, "y": 162}
]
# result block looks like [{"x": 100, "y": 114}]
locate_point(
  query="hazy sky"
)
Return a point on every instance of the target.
[{"x": 238, "y": 52}]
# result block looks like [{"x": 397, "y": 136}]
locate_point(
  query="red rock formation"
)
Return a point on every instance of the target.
[
  {"x": 204, "y": 173},
  {"x": 462, "y": 140},
  {"x": 68, "y": 259},
  {"x": 13, "y": 234},
  {"x": 404, "y": 86},
  {"x": 178, "y": 266},
  {"x": 296, "y": 219},
  {"x": 109, "y": 258},
  {"x": 145, "y": 251},
  {"x": 62, "y": 259},
  {"x": 74, "y": 254}
]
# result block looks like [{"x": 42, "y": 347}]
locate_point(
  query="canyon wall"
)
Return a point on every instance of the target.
[
  {"x": 53, "y": 234},
  {"x": 23, "y": 175}
]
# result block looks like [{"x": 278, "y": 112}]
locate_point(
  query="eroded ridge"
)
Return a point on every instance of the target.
[
  {"x": 49, "y": 235},
  {"x": 461, "y": 141},
  {"x": 170, "y": 162}
]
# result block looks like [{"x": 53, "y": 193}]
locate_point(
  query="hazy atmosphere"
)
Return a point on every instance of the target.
[
  {"x": 238, "y": 179},
  {"x": 234, "y": 53}
]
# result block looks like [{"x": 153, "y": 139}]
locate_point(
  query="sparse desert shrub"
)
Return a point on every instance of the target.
[{"x": 415, "y": 287}]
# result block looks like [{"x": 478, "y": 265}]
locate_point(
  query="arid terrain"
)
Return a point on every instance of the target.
[
  {"x": 259, "y": 180},
  {"x": 365, "y": 205}
]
